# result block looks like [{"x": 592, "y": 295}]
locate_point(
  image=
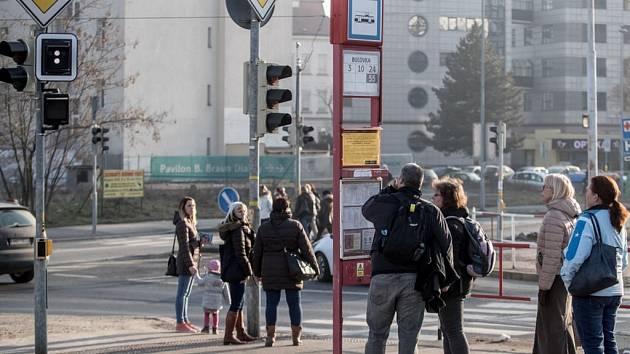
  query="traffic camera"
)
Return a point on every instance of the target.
[
  {"x": 56, "y": 57},
  {"x": 20, "y": 77},
  {"x": 268, "y": 117}
]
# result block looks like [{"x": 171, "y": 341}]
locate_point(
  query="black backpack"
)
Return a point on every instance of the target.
[
  {"x": 402, "y": 242},
  {"x": 480, "y": 249}
]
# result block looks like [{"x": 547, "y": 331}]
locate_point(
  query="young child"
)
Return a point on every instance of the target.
[{"x": 215, "y": 295}]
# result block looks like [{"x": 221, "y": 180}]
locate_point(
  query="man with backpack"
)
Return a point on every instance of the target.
[{"x": 405, "y": 226}]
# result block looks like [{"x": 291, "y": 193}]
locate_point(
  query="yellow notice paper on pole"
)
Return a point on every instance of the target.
[
  {"x": 361, "y": 148},
  {"x": 123, "y": 184}
]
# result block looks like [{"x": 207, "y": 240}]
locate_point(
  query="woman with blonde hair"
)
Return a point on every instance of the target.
[
  {"x": 187, "y": 258},
  {"x": 238, "y": 238},
  {"x": 554, "y": 331}
]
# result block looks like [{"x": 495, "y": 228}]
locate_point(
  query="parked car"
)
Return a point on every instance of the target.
[
  {"x": 17, "y": 234},
  {"x": 445, "y": 170},
  {"x": 564, "y": 169},
  {"x": 429, "y": 177},
  {"x": 540, "y": 169},
  {"x": 323, "y": 249},
  {"x": 466, "y": 177},
  {"x": 527, "y": 180},
  {"x": 492, "y": 172}
]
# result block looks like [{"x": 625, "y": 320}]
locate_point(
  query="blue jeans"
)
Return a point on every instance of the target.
[
  {"x": 595, "y": 320},
  {"x": 237, "y": 292},
  {"x": 184, "y": 285},
  {"x": 294, "y": 302}
]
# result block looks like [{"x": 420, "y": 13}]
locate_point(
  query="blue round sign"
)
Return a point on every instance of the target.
[{"x": 227, "y": 196}]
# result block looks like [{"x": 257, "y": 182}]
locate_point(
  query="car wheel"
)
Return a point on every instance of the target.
[
  {"x": 324, "y": 269},
  {"x": 22, "y": 277}
]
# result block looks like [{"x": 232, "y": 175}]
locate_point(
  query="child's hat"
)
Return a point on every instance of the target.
[{"x": 214, "y": 266}]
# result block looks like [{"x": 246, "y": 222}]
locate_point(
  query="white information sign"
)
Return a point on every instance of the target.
[
  {"x": 361, "y": 72},
  {"x": 365, "y": 20},
  {"x": 43, "y": 11},
  {"x": 357, "y": 232}
]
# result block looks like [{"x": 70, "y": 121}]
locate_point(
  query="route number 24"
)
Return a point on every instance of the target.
[{"x": 371, "y": 69}]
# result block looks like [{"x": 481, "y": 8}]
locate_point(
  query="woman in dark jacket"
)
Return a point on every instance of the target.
[
  {"x": 450, "y": 198},
  {"x": 238, "y": 239},
  {"x": 187, "y": 259},
  {"x": 269, "y": 263}
]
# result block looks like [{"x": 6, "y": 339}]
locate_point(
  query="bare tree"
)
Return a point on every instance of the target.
[{"x": 100, "y": 70}]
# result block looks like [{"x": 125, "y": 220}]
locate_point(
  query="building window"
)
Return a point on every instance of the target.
[
  {"x": 322, "y": 64},
  {"x": 547, "y": 5},
  {"x": 547, "y": 67},
  {"x": 100, "y": 32},
  {"x": 601, "y": 101},
  {"x": 445, "y": 58},
  {"x": 547, "y": 101},
  {"x": 82, "y": 176},
  {"x": 76, "y": 8},
  {"x": 418, "y": 61},
  {"x": 528, "y": 37},
  {"x": 322, "y": 98},
  {"x": 418, "y": 97},
  {"x": 523, "y": 4},
  {"x": 600, "y": 33},
  {"x": 209, "y": 95},
  {"x": 208, "y": 146},
  {"x": 601, "y": 67},
  {"x": 522, "y": 68},
  {"x": 626, "y": 35},
  {"x": 528, "y": 101},
  {"x": 513, "y": 37},
  {"x": 209, "y": 37},
  {"x": 306, "y": 101},
  {"x": 459, "y": 23},
  {"x": 547, "y": 34},
  {"x": 418, "y": 26},
  {"x": 626, "y": 5}
]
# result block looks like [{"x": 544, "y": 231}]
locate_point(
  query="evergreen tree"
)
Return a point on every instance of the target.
[{"x": 460, "y": 97}]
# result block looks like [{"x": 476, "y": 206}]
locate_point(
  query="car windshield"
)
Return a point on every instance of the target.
[{"x": 16, "y": 218}]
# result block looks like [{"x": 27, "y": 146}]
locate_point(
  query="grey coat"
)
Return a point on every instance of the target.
[{"x": 215, "y": 292}]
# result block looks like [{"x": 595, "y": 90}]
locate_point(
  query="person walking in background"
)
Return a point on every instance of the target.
[
  {"x": 238, "y": 239},
  {"x": 393, "y": 285},
  {"x": 280, "y": 192},
  {"x": 325, "y": 214},
  {"x": 306, "y": 210},
  {"x": 595, "y": 314},
  {"x": 187, "y": 259},
  {"x": 450, "y": 197},
  {"x": 215, "y": 295},
  {"x": 265, "y": 202},
  {"x": 269, "y": 263},
  {"x": 554, "y": 329}
]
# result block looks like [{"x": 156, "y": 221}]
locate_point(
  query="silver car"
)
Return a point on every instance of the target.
[{"x": 17, "y": 234}]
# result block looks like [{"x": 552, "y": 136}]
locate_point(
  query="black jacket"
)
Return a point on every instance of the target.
[
  {"x": 380, "y": 210},
  {"x": 238, "y": 241},
  {"x": 461, "y": 240}
]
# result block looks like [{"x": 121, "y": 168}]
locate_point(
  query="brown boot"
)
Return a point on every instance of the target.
[
  {"x": 271, "y": 336},
  {"x": 241, "y": 333},
  {"x": 296, "y": 332},
  {"x": 230, "y": 321}
]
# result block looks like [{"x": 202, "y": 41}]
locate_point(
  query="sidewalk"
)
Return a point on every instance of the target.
[{"x": 91, "y": 334}]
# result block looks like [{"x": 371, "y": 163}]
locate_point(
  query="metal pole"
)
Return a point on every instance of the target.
[
  {"x": 94, "y": 170},
  {"x": 622, "y": 72},
  {"x": 592, "y": 93},
  {"x": 482, "y": 110},
  {"x": 41, "y": 335},
  {"x": 298, "y": 122},
  {"x": 252, "y": 293},
  {"x": 501, "y": 146}
]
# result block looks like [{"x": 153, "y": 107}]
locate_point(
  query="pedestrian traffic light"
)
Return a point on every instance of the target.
[
  {"x": 56, "y": 57},
  {"x": 20, "y": 77},
  {"x": 290, "y": 137},
  {"x": 98, "y": 136},
  {"x": 304, "y": 137},
  {"x": 268, "y": 117}
]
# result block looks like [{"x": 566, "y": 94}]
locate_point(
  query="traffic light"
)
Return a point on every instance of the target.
[
  {"x": 56, "y": 57},
  {"x": 56, "y": 109},
  {"x": 104, "y": 139},
  {"x": 290, "y": 137},
  {"x": 268, "y": 118},
  {"x": 98, "y": 136},
  {"x": 499, "y": 138},
  {"x": 304, "y": 137},
  {"x": 20, "y": 77}
]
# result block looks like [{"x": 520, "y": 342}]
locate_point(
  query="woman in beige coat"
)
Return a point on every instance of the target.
[{"x": 554, "y": 332}]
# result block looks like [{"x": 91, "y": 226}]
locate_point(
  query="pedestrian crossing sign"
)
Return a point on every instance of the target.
[
  {"x": 43, "y": 11},
  {"x": 262, "y": 7}
]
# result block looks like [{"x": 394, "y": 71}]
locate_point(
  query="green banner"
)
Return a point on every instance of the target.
[{"x": 215, "y": 168}]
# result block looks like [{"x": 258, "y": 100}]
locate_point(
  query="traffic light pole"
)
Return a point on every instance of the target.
[
  {"x": 94, "y": 171},
  {"x": 298, "y": 123},
  {"x": 252, "y": 291},
  {"x": 40, "y": 268},
  {"x": 482, "y": 110}
]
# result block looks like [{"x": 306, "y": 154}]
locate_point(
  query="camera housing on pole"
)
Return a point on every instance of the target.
[{"x": 56, "y": 58}]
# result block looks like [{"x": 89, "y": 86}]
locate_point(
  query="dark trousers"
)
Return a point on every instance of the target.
[
  {"x": 595, "y": 318},
  {"x": 237, "y": 292},
  {"x": 452, "y": 324},
  {"x": 554, "y": 330},
  {"x": 294, "y": 302}
]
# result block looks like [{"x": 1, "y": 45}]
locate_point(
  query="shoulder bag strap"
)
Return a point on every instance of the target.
[
  {"x": 173, "y": 249},
  {"x": 598, "y": 234}
]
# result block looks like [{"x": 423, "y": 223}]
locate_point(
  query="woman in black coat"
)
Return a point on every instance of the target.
[
  {"x": 450, "y": 198},
  {"x": 238, "y": 238},
  {"x": 269, "y": 263}
]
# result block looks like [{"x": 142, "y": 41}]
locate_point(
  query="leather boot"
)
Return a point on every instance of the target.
[
  {"x": 241, "y": 333},
  {"x": 271, "y": 336},
  {"x": 296, "y": 332},
  {"x": 230, "y": 321}
]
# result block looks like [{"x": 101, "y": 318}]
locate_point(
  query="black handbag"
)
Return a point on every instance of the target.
[
  {"x": 599, "y": 270},
  {"x": 171, "y": 267},
  {"x": 299, "y": 269}
]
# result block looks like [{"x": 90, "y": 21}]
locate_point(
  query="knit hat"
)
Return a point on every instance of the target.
[{"x": 214, "y": 266}]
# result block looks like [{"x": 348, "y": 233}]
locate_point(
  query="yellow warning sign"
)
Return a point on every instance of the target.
[
  {"x": 360, "y": 270},
  {"x": 123, "y": 184},
  {"x": 263, "y": 2},
  {"x": 361, "y": 148},
  {"x": 44, "y": 5}
]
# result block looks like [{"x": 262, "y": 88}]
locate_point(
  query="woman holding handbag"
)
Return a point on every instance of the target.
[
  {"x": 269, "y": 262},
  {"x": 554, "y": 330},
  {"x": 238, "y": 238},
  {"x": 599, "y": 230},
  {"x": 187, "y": 260}
]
